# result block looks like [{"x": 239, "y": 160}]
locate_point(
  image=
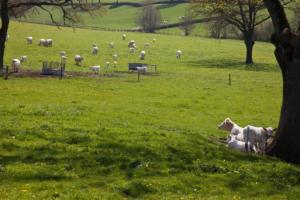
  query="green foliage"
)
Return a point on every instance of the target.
[{"x": 115, "y": 138}]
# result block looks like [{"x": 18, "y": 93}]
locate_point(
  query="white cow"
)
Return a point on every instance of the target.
[
  {"x": 257, "y": 137},
  {"x": 234, "y": 129},
  {"x": 233, "y": 143}
]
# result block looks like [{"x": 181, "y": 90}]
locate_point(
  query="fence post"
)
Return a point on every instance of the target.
[
  {"x": 6, "y": 73},
  {"x": 139, "y": 74},
  {"x": 229, "y": 79}
]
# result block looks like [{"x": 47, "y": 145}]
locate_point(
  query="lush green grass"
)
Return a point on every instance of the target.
[{"x": 116, "y": 138}]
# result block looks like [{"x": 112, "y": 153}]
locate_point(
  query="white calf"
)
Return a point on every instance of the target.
[
  {"x": 234, "y": 129},
  {"x": 257, "y": 137}
]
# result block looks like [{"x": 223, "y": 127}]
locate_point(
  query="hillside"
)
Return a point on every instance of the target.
[{"x": 111, "y": 137}]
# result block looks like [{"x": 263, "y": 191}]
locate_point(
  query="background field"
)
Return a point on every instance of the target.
[{"x": 115, "y": 138}]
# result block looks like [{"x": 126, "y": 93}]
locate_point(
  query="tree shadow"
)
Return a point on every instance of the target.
[{"x": 232, "y": 64}]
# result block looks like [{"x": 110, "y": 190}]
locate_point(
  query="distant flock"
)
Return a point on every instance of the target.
[{"x": 132, "y": 45}]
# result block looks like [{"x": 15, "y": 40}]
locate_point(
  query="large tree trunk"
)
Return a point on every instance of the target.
[
  {"x": 249, "y": 42},
  {"x": 287, "y": 140},
  {"x": 3, "y": 30}
]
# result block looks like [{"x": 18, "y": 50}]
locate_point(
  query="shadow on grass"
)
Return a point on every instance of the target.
[{"x": 232, "y": 64}]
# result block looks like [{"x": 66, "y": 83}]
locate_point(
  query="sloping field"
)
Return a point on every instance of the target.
[{"x": 111, "y": 137}]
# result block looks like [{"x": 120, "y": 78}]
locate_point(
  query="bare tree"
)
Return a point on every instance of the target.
[
  {"x": 286, "y": 144},
  {"x": 149, "y": 17},
  {"x": 187, "y": 26},
  {"x": 18, "y": 8},
  {"x": 243, "y": 14}
]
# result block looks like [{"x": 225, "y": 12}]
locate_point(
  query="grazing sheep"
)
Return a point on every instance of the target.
[
  {"x": 111, "y": 45},
  {"x": 29, "y": 40},
  {"x": 178, "y": 54},
  {"x": 115, "y": 64},
  {"x": 131, "y": 50},
  {"x": 142, "y": 70},
  {"x": 23, "y": 59},
  {"x": 95, "y": 50},
  {"x": 78, "y": 59},
  {"x": 153, "y": 40},
  {"x": 115, "y": 57},
  {"x": 48, "y": 43},
  {"x": 147, "y": 45},
  {"x": 142, "y": 55},
  {"x": 42, "y": 42},
  {"x": 16, "y": 65},
  {"x": 62, "y": 53},
  {"x": 95, "y": 69},
  {"x": 132, "y": 44},
  {"x": 63, "y": 59},
  {"x": 124, "y": 36}
]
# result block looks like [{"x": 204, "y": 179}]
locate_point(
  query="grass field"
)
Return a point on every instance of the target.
[{"x": 111, "y": 137}]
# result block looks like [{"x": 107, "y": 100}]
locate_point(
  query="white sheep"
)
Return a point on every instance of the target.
[
  {"x": 63, "y": 59},
  {"x": 62, "y": 53},
  {"x": 111, "y": 45},
  {"x": 23, "y": 59},
  {"x": 143, "y": 55},
  {"x": 48, "y": 43},
  {"x": 95, "y": 69},
  {"x": 132, "y": 44},
  {"x": 107, "y": 64},
  {"x": 142, "y": 70},
  {"x": 16, "y": 65},
  {"x": 115, "y": 57},
  {"x": 95, "y": 50},
  {"x": 78, "y": 59},
  {"x": 153, "y": 40},
  {"x": 115, "y": 64},
  {"x": 178, "y": 54},
  {"x": 29, "y": 40},
  {"x": 131, "y": 50},
  {"x": 42, "y": 42},
  {"x": 124, "y": 36}
]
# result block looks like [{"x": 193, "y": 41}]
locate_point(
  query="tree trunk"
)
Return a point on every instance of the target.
[
  {"x": 249, "y": 42},
  {"x": 3, "y": 30},
  {"x": 286, "y": 144}
]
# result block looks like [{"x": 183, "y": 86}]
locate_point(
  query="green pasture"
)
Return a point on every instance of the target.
[{"x": 108, "y": 136}]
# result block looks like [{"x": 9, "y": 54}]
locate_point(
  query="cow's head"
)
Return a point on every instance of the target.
[
  {"x": 268, "y": 132},
  {"x": 226, "y": 125}
]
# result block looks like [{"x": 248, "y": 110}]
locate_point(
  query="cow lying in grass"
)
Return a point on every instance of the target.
[{"x": 250, "y": 137}]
